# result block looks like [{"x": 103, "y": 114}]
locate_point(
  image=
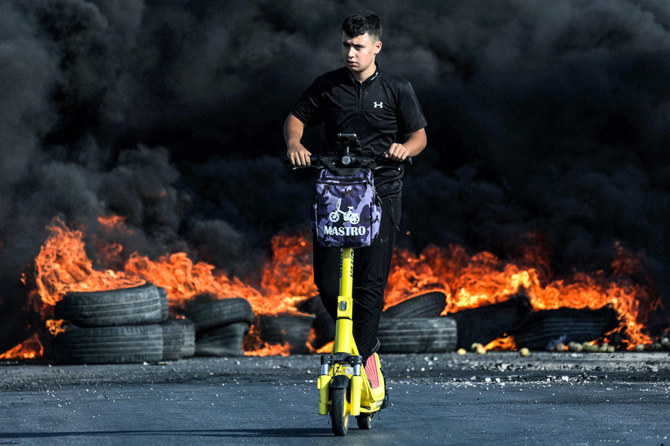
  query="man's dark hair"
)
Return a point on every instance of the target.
[{"x": 362, "y": 22}]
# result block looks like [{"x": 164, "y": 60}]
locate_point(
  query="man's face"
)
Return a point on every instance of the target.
[{"x": 359, "y": 52}]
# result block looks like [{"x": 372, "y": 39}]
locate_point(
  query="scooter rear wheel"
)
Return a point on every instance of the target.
[
  {"x": 364, "y": 421},
  {"x": 339, "y": 415}
]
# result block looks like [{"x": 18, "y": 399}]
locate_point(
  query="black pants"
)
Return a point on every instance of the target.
[{"x": 371, "y": 270}]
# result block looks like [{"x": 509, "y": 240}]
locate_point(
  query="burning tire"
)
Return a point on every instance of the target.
[
  {"x": 215, "y": 313},
  {"x": 543, "y": 328},
  {"x": 286, "y": 328},
  {"x": 425, "y": 305},
  {"x": 123, "y": 306},
  {"x": 417, "y": 335},
  {"x": 484, "y": 324},
  {"x": 222, "y": 341},
  {"x": 109, "y": 345}
]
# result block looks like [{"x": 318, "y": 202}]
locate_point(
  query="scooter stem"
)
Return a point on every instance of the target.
[{"x": 344, "y": 324}]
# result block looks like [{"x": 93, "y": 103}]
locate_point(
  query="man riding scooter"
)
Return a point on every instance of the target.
[{"x": 383, "y": 110}]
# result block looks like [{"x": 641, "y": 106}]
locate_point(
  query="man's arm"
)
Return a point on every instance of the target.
[
  {"x": 413, "y": 145},
  {"x": 297, "y": 154}
]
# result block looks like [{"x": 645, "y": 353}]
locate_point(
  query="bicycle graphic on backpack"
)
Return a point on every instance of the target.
[{"x": 349, "y": 215}]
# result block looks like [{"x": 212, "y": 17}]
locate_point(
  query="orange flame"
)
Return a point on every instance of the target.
[
  {"x": 327, "y": 348},
  {"x": 481, "y": 279},
  {"x": 469, "y": 281},
  {"x": 289, "y": 276},
  {"x": 113, "y": 222},
  {"x": 283, "y": 349},
  {"x": 56, "y": 326},
  {"x": 506, "y": 343},
  {"x": 62, "y": 265},
  {"x": 183, "y": 279},
  {"x": 31, "y": 348}
]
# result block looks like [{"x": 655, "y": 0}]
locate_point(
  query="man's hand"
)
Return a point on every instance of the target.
[
  {"x": 298, "y": 155},
  {"x": 397, "y": 152},
  {"x": 414, "y": 144}
]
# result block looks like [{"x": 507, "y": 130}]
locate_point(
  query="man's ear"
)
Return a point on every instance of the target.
[{"x": 378, "y": 47}]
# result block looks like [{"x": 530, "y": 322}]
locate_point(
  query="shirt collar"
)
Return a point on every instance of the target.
[{"x": 366, "y": 81}]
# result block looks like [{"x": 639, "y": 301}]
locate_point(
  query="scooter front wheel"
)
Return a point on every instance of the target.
[
  {"x": 364, "y": 421},
  {"x": 339, "y": 415}
]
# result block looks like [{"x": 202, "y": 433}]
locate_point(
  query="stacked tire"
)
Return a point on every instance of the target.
[
  {"x": 220, "y": 325},
  {"x": 415, "y": 326},
  {"x": 126, "y": 325},
  {"x": 412, "y": 326}
]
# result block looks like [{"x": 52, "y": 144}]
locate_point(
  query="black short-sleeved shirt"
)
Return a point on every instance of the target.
[{"x": 380, "y": 110}]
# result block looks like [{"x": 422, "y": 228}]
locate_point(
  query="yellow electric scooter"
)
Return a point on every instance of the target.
[{"x": 344, "y": 389}]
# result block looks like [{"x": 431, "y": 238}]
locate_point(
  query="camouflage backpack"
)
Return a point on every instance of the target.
[{"x": 347, "y": 210}]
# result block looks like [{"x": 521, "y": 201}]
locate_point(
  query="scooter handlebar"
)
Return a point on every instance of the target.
[{"x": 353, "y": 161}]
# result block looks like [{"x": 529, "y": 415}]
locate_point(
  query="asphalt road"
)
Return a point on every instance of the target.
[{"x": 443, "y": 399}]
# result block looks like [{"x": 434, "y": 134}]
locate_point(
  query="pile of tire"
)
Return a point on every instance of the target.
[
  {"x": 415, "y": 326},
  {"x": 220, "y": 324},
  {"x": 125, "y": 325},
  {"x": 412, "y": 326}
]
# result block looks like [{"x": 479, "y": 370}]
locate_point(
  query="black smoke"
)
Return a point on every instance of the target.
[{"x": 545, "y": 118}]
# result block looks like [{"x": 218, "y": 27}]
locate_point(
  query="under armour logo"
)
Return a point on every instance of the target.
[{"x": 379, "y": 105}]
